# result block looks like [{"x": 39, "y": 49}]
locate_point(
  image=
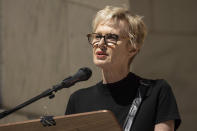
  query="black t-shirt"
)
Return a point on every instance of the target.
[{"x": 158, "y": 104}]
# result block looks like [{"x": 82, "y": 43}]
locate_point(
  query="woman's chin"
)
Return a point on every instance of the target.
[{"x": 101, "y": 63}]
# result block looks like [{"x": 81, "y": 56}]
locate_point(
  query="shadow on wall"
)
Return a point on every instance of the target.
[{"x": 0, "y": 58}]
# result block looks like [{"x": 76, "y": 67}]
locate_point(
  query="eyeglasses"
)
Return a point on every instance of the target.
[{"x": 109, "y": 39}]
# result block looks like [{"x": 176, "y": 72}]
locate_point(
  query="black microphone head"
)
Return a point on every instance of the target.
[{"x": 84, "y": 73}]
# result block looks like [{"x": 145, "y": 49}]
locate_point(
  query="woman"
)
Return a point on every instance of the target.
[{"x": 138, "y": 104}]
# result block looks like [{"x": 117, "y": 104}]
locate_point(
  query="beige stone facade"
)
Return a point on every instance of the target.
[{"x": 44, "y": 41}]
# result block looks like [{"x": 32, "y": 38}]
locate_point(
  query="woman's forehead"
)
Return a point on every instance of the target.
[{"x": 120, "y": 26}]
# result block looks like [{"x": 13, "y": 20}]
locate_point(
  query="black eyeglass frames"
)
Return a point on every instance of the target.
[{"x": 95, "y": 38}]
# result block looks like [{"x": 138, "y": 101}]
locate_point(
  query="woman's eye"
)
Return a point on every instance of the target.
[
  {"x": 98, "y": 36},
  {"x": 112, "y": 37}
]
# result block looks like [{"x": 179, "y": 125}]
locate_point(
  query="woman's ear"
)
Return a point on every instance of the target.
[
  {"x": 133, "y": 49},
  {"x": 133, "y": 52}
]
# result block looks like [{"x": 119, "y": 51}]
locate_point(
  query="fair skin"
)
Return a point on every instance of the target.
[
  {"x": 165, "y": 126},
  {"x": 113, "y": 60}
]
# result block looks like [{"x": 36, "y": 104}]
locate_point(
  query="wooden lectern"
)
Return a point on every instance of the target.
[{"x": 91, "y": 121}]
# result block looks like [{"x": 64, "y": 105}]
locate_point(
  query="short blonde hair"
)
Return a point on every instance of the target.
[{"x": 136, "y": 27}]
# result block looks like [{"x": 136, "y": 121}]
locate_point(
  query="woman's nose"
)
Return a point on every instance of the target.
[{"x": 102, "y": 42}]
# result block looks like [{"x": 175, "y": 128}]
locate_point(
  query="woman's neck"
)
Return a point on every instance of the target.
[{"x": 111, "y": 76}]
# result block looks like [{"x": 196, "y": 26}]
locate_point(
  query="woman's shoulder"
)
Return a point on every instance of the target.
[
  {"x": 153, "y": 85},
  {"x": 85, "y": 91}
]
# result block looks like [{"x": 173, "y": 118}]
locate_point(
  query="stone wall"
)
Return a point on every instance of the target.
[{"x": 44, "y": 41}]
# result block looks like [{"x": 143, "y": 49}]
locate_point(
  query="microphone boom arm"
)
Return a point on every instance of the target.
[{"x": 49, "y": 92}]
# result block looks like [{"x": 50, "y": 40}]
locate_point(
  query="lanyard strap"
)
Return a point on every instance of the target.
[{"x": 132, "y": 112}]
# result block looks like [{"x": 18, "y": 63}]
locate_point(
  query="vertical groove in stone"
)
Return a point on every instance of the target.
[
  {"x": 151, "y": 28},
  {"x": 0, "y": 52},
  {"x": 68, "y": 39}
]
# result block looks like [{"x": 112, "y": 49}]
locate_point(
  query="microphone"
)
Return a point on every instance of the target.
[{"x": 83, "y": 74}]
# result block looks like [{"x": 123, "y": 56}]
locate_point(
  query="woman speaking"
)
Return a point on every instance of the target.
[{"x": 138, "y": 104}]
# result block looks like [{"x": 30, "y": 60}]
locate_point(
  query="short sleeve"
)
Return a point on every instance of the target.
[{"x": 167, "y": 107}]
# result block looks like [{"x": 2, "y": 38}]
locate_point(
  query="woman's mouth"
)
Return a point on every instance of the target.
[{"x": 101, "y": 55}]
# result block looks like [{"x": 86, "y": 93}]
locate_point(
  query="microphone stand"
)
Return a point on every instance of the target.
[{"x": 66, "y": 83}]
